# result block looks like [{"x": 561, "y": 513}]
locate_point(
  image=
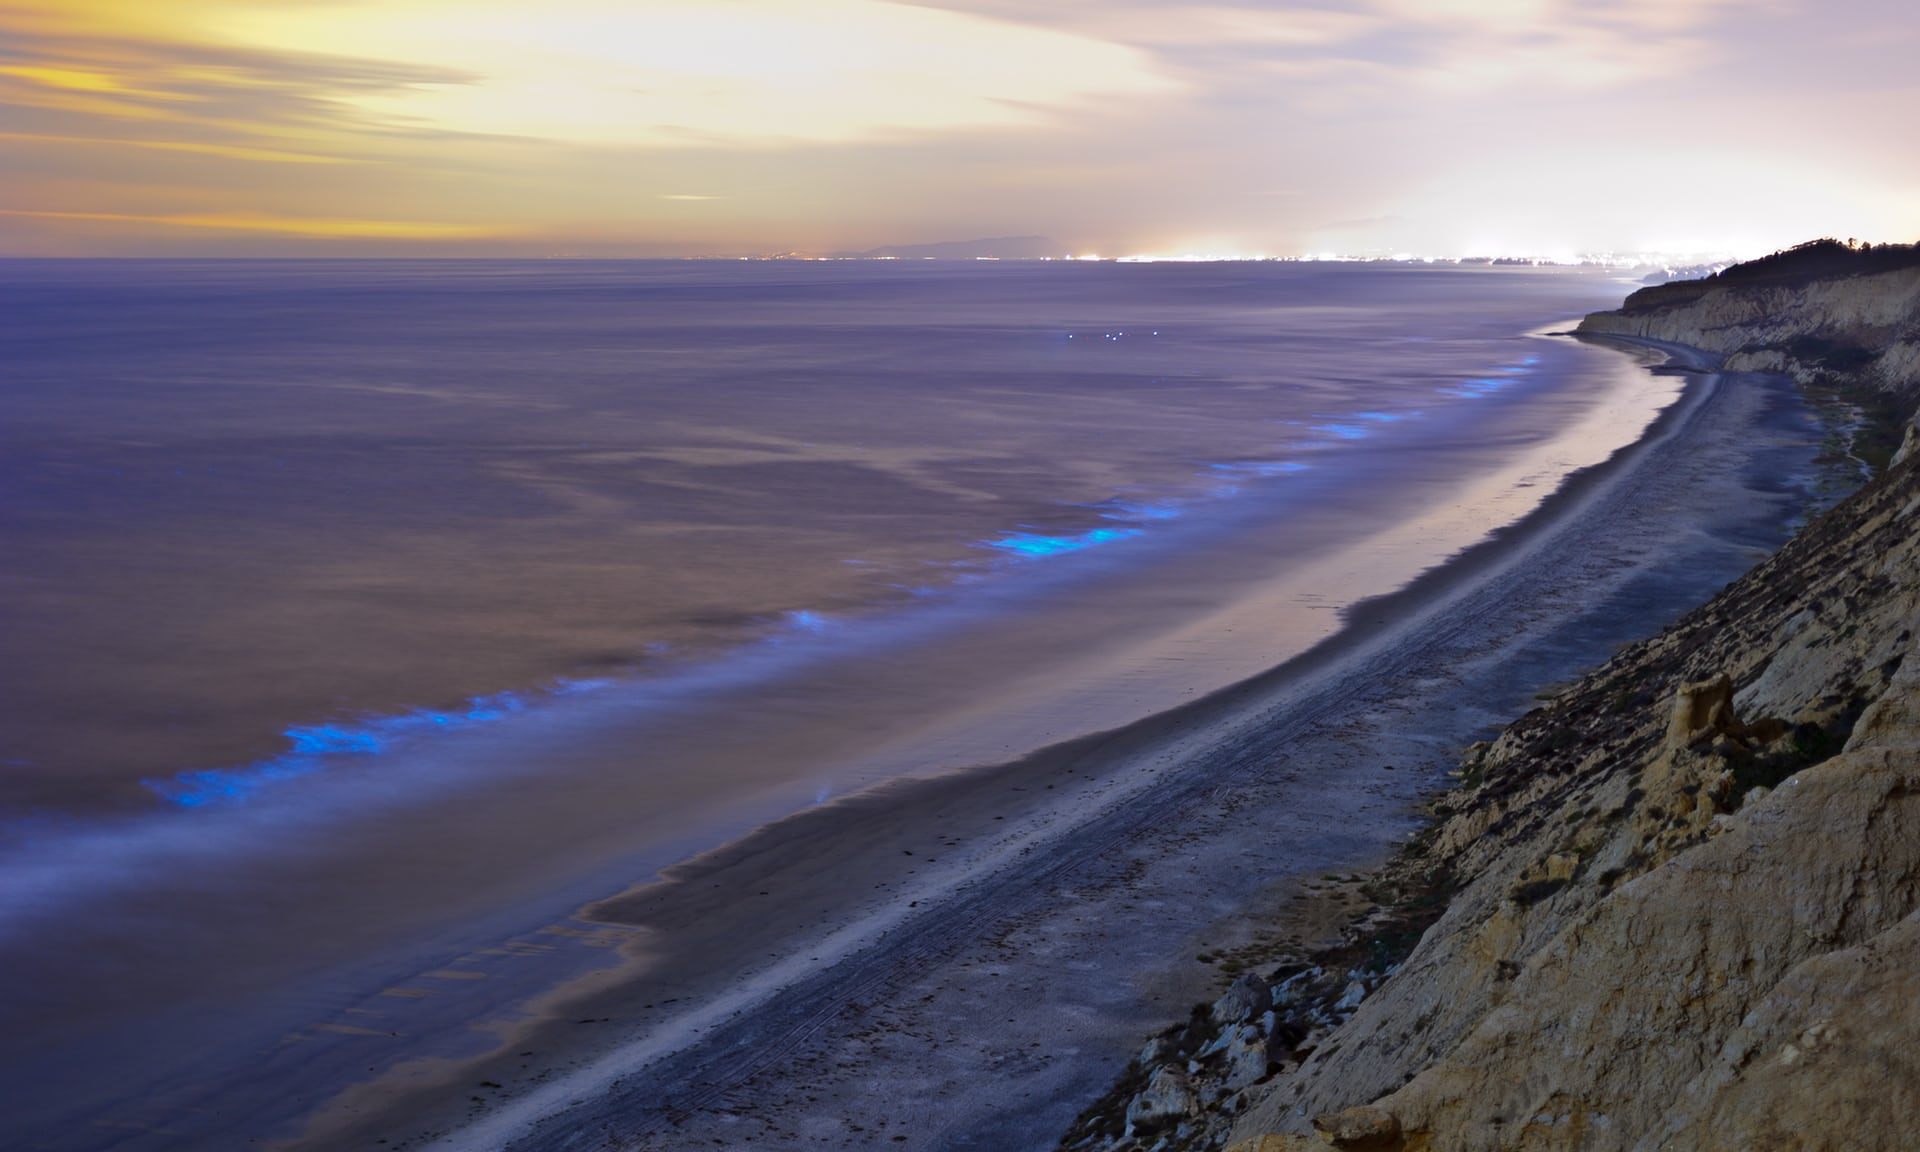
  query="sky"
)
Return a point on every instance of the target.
[{"x": 1550, "y": 128}]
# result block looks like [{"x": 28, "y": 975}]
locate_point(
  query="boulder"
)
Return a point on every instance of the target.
[
  {"x": 1246, "y": 1060},
  {"x": 1157, "y": 1050},
  {"x": 1168, "y": 1098},
  {"x": 1247, "y": 998},
  {"x": 1351, "y": 998}
]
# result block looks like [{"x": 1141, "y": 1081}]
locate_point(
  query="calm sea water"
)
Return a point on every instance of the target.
[
  {"x": 345, "y": 602},
  {"x": 248, "y": 509}
]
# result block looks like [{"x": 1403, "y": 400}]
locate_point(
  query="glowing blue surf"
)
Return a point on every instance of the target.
[
  {"x": 1260, "y": 469},
  {"x": 315, "y": 747},
  {"x": 1484, "y": 386},
  {"x": 1034, "y": 545},
  {"x": 1125, "y": 510},
  {"x": 1342, "y": 431},
  {"x": 807, "y": 621}
]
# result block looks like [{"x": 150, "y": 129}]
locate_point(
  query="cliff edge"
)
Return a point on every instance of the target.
[
  {"x": 1678, "y": 905},
  {"x": 1826, "y": 313}
]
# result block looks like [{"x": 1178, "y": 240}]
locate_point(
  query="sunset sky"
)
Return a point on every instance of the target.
[{"x": 681, "y": 127}]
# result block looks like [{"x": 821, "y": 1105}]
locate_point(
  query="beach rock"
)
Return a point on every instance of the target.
[
  {"x": 1290, "y": 989},
  {"x": 1157, "y": 1050},
  {"x": 1246, "y": 1059},
  {"x": 1215, "y": 1046},
  {"x": 1246, "y": 998},
  {"x": 1167, "y": 1099},
  {"x": 1351, "y": 997}
]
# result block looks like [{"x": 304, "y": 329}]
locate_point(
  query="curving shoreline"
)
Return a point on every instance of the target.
[
  {"x": 482, "y": 882},
  {"x": 1505, "y": 611},
  {"x": 1672, "y": 906}
]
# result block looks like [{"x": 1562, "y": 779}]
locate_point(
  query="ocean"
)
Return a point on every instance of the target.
[{"x": 355, "y": 611}]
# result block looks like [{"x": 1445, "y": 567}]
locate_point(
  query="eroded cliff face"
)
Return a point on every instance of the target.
[
  {"x": 1684, "y": 895},
  {"x": 1674, "y": 894},
  {"x": 1857, "y": 333}
]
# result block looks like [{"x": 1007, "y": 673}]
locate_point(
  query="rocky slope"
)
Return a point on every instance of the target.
[{"x": 1678, "y": 906}]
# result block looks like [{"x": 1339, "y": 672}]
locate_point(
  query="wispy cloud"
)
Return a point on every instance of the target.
[
  {"x": 190, "y": 147},
  {"x": 1470, "y": 44},
  {"x": 702, "y": 126},
  {"x": 1459, "y": 44},
  {"x": 403, "y": 87},
  {"x": 265, "y": 223},
  {"x": 687, "y": 73}
]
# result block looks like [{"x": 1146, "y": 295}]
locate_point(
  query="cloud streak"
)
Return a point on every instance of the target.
[
  {"x": 729, "y": 126},
  {"x": 305, "y": 227}
]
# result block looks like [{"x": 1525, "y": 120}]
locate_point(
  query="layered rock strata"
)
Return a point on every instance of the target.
[{"x": 1825, "y": 314}]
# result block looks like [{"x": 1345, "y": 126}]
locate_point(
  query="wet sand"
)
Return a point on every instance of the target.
[{"x": 964, "y": 961}]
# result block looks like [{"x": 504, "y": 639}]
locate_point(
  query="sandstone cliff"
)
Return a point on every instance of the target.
[
  {"x": 1823, "y": 313},
  {"x": 1676, "y": 907}
]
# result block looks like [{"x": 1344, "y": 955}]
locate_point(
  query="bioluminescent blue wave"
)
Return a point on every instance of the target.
[
  {"x": 807, "y": 621},
  {"x": 316, "y": 746},
  {"x": 1483, "y": 386},
  {"x": 1258, "y": 469},
  {"x": 552, "y": 496},
  {"x": 742, "y": 427},
  {"x": 1343, "y": 431},
  {"x": 1033, "y": 545},
  {"x": 1126, "y": 510}
]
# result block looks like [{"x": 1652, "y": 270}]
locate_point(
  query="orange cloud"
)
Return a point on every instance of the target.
[
  {"x": 691, "y": 72},
  {"x": 705, "y": 126},
  {"x": 190, "y": 147},
  {"x": 260, "y": 222}
]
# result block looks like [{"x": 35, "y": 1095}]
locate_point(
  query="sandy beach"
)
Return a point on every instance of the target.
[
  {"x": 958, "y": 576},
  {"x": 965, "y": 961},
  {"x": 359, "y": 920}
]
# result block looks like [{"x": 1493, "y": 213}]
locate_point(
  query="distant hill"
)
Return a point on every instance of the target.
[
  {"x": 1825, "y": 313},
  {"x": 1683, "y": 272},
  {"x": 1795, "y": 267},
  {"x": 1000, "y": 247}
]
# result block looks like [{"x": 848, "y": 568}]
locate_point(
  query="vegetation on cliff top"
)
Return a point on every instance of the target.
[
  {"x": 1824, "y": 259},
  {"x": 1842, "y": 319}
]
